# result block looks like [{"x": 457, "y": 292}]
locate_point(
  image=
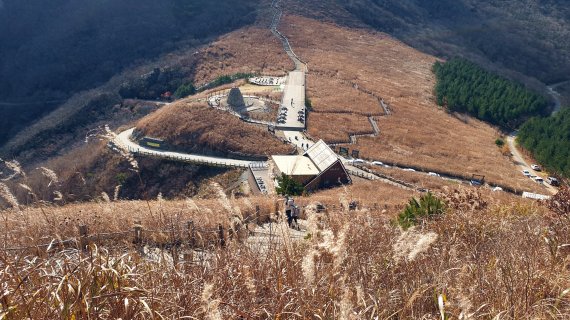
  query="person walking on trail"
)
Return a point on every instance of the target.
[
  {"x": 290, "y": 205},
  {"x": 295, "y": 211},
  {"x": 291, "y": 102}
]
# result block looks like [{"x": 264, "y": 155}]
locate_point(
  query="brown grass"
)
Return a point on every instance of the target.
[
  {"x": 250, "y": 50},
  {"x": 43, "y": 223},
  {"x": 324, "y": 89},
  {"x": 332, "y": 127},
  {"x": 485, "y": 258},
  {"x": 418, "y": 133},
  {"x": 195, "y": 127}
]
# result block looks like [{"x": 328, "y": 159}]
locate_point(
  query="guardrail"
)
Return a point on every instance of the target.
[
  {"x": 188, "y": 158},
  {"x": 286, "y": 45},
  {"x": 363, "y": 175}
]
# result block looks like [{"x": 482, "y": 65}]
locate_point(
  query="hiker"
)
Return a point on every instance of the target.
[
  {"x": 295, "y": 215},
  {"x": 290, "y": 205}
]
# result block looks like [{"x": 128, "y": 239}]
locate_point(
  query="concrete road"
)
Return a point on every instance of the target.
[
  {"x": 299, "y": 139},
  {"x": 293, "y": 103},
  {"x": 523, "y": 165}
]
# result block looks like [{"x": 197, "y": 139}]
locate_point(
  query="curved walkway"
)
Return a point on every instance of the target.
[{"x": 123, "y": 140}]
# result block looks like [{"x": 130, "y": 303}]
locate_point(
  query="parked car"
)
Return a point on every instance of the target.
[
  {"x": 539, "y": 180},
  {"x": 475, "y": 183},
  {"x": 358, "y": 161},
  {"x": 535, "y": 167},
  {"x": 553, "y": 181},
  {"x": 433, "y": 174},
  {"x": 377, "y": 163},
  {"x": 409, "y": 169},
  {"x": 497, "y": 189},
  {"x": 526, "y": 173}
]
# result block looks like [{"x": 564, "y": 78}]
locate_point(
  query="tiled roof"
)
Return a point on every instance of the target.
[{"x": 321, "y": 155}]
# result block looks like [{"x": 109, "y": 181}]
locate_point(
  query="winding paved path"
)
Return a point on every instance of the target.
[{"x": 123, "y": 140}]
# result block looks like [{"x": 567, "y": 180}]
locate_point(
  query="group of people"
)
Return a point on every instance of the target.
[{"x": 292, "y": 211}]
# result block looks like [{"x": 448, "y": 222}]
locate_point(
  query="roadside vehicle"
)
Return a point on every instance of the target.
[
  {"x": 552, "y": 181},
  {"x": 539, "y": 180},
  {"x": 377, "y": 163},
  {"x": 535, "y": 167},
  {"x": 358, "y": 161},
  {"x": 526, "y": 173},
  {"x": 477, "y": 180},
  {"x": 433, "y": 174}
]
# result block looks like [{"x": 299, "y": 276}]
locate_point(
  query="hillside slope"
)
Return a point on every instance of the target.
[
  {"x": 528, "y": 36},
  {"x": 51, "y": 50},
  {"x": 198, "y": 128},
  {"x": 347, "y": 67}
]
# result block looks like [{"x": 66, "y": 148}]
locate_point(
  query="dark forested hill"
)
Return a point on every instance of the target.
[{"x": 52, "y": 49}]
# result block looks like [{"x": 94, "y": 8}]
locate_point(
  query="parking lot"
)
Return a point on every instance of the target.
[{"x": 292, "y": 113}]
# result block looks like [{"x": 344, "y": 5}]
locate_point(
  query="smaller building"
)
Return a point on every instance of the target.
[
  {"x": 318, "y": 168},
  {"x": 299, "y": 168}
]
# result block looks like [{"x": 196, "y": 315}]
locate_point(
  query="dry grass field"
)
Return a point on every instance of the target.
[
  {"x": 251, "y": 50},
  {"x": 485, "y": 257},
  {"x": 320, "y": 125},
  {"x": 324, "y": 91},
  {"x": 196, "y": 127},
  {"x": 104, "y": 216},
  {"x": 417, "y": 133}
]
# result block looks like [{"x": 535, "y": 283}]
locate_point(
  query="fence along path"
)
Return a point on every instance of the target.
[
  {"x": 190, "y": 235},
  {"x": 123, "y": 140},
  {"x": 299, "y": 64}
]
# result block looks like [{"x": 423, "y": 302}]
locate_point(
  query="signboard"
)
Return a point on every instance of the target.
[
  {"x": 343, "y": 151},
  {"x": 153, "y": 144},
  {"x": 355, "y": 153}
]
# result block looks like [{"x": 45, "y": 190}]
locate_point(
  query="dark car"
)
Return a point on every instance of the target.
[{"x": 553, "y": 181}]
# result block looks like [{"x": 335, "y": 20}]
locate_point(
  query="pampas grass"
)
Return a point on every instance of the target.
[
  {"x": 351, "y": 265},
  {"x": 7, "y": 195}
]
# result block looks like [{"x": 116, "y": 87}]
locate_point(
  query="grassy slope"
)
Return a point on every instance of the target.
[
  {"x": 195, "y": 127},
  {"x": 417, "y": 133},
  {"x": 524, "y": 36}
]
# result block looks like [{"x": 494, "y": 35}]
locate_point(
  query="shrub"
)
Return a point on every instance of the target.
[
  {"x": 289, "y": 186},
  {"x": 185, "y": 90},
  {"x": 308, "y": 104},
  {"x": 500, "y": 142},
  {"x": 428, "y": 206}
]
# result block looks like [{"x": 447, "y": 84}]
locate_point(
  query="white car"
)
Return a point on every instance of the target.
[
  {"x": 358, "y": 161},
  {"x": 539, "y": 180},
  {"x": 535, "y": 167},
  {"x": 377, "y": 163},
  {"x": 433, "y": 174},
  {"x": 495, "y": 189},
  {"x": 526, "y": 173},
  {"x": 409, "y": 169}
]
